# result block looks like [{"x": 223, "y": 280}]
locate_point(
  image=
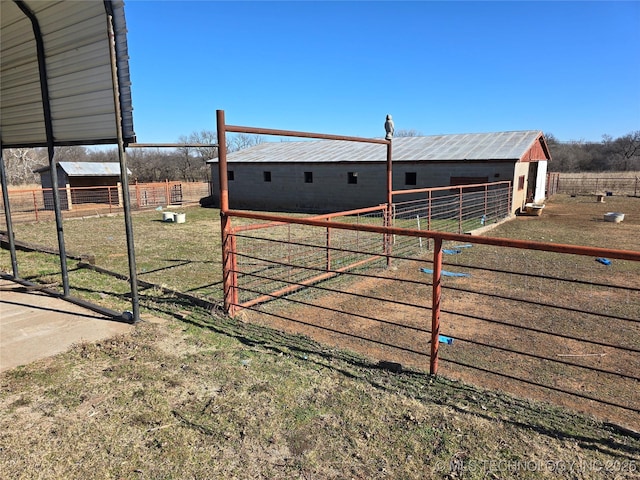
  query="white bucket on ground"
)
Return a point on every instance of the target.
[
  {"x": 613, "y": 217},
  {"x": 180, "y": 217}
]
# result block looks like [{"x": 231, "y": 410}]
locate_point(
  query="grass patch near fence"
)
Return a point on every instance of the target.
[{"x": 206, "y": 397}]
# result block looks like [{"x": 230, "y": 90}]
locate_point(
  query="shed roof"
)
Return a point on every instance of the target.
[
  {"x": 88, "y": 169},
  {"x": 70, "y": 39},
  {"x": 454, "y": 147}
]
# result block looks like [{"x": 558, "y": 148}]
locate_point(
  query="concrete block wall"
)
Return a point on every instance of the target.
[{"x": 330, "y": 190}]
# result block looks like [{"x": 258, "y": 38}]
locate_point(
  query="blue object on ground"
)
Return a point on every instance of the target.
[
  {"x": 604, "y": 261},
  {"x": 443, "y": 339},
  {"x": 447, "y": 274},
  {"x": 466, "y": 245},
  {"x": 449, "y": 251}
]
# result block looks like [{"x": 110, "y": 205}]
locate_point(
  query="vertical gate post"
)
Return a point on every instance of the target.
[
  {"x": 460, "y": 207},
  {"x": 389, "y": 211},
  {"x": 435, "y": 304},
  {"x": 229, "y": 271},
  {"x": 429, "y": 219},
  {"x": 486, "y": 201},
  {"x": 328, "y": 247}
]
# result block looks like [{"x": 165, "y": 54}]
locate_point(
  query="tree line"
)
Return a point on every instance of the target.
[
  {"x": 182, "y": 163},
  {"x": 186, "y": 163},
  {"x": 620, "y": 154}
]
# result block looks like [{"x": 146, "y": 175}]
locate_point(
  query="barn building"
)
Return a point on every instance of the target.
[
  {"x": 84, "y": 182},
  {"x": 327, "y": 175}
]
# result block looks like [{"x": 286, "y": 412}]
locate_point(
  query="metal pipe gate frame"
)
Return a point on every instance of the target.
[{"x": 229, "y": 262}]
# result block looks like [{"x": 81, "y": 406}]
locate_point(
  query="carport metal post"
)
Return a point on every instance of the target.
[
  {"x": 7, "y": 215},
  {"x": 126, "y": 201}
]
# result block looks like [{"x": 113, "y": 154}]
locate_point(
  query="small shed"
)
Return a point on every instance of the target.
[
  {"x": 84, "y": 182},
  {"x": 328, "y": 175}
]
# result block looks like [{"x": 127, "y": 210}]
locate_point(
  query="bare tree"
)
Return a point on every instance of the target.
[
  {"x": 71, "y": 153},
  {"x": 407, "y": 133},
  {"x": 206, "y": 137},
  {"x": 244, "y": 140},
  {"x": 631, "y": 145},
  {"x": 21, "y": 162}
]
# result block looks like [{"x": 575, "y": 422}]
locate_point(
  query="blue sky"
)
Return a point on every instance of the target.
[{"x": 567, "y": 68}]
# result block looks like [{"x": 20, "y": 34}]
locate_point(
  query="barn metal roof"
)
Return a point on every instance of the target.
[
  {"x": 455, "y": 147},
  {"x": 70, "y": 39},
  {"x": 88, "y": 169}
]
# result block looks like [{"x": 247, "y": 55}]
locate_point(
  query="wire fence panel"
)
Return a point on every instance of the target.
[
  {"x": 33, "y": 205},
  {"x": 542, "y": 325},
  {"x": 592, "y": 185},
  {"x": 275, "y": 260},
  {"x": 457, "y": 210}
]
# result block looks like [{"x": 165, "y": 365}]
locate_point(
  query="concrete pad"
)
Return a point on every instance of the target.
[{"x": 34, "y": 325}]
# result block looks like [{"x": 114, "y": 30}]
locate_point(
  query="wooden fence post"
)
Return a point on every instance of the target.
[
  {"x": 35, "y": 204},
  {"x": 69, "y": 200}
]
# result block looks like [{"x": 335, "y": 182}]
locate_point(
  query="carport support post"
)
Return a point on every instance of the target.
[
  {"x": 435, "y": 304},
  {"x": 126, "y": 201},
  {"x": 7, "y": 215},
  {"x": 53, "y": 168},
  {"x": 229, "y": 273}
]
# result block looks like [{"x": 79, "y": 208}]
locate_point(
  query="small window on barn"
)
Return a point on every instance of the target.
[
  {"x": 266, "y": 176},
  {"x": 308, "y": 177},
  {"x": 230, "y": 175},
  {"x": 352, "y": 177},
  {"x": 521, "y": 182},
  {"x": 410, "y": 178}
]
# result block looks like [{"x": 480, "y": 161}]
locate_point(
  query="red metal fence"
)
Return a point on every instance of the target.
[
  {"x": 32, "y": 205},
  {"x": 529, "y": 317},
  {"x": 500, "y": 308}
]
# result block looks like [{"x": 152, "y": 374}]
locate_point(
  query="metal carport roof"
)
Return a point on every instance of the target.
[
  {"x": 88, "y": 169},
  {"x": 69, "y": 40},
  {"x": 64, "y": 80}
]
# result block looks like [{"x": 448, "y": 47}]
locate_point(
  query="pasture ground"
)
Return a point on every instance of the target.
[
  {"x": 573, "y": 220},
  {"x": 200, "y": 396}
]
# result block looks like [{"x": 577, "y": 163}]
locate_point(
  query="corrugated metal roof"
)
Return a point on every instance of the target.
[
  {"x": 78, "y": 67},
  {"x": 455, "y": 147},
  {"x": 88, "y": 169}
]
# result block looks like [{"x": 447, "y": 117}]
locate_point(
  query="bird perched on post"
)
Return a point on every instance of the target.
[{"x": 389, "y": 128}]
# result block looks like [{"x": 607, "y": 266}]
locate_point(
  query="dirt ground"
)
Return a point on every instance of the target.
[{"x": 489, "y": 330}]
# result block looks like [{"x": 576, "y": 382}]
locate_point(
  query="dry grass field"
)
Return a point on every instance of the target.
[
  {"x": 194, "y": 395},
  {"x": 490, "y": 327}
]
